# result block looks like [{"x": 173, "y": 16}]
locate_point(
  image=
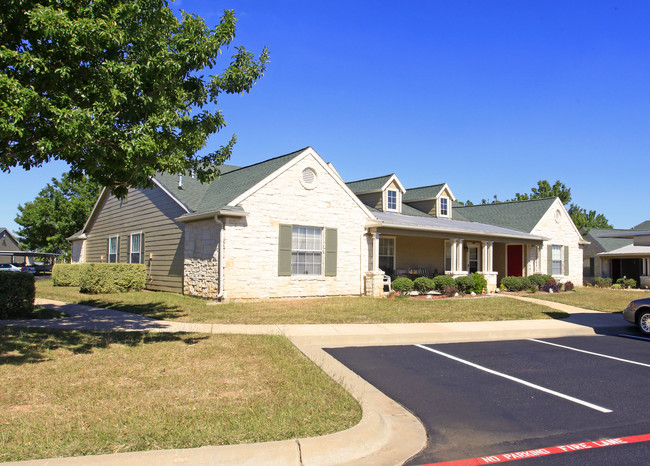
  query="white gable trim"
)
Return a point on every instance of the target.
[
  {"x": 309, "y": 151},
  {"x": 92, "y": 212},
  {"x": 451, "y": 195},
  {"x": 174, "y": 198},
  {"x": 557, "y": 204},
  {"x": 394, "y": 178}
]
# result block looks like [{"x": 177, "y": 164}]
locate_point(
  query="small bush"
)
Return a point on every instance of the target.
[
  {"x": 465, "y": 284},
  {"x": 450, "y": 291},
  {"x": 67, "y": 274},
  {"x": 423, "y": 284},
  {"x": 480, "y": 283},
  {"x": 617, "y": 286},
  {"x": 568, "y": 286},
  {"x": 112, "y": 278},
  {"x": 603, "y": 282},
  {"x": 626, "y": 282},
  {"x": 17, "y": 293},
  {"x": 402, "y": 284},
  {"x": 539, "y": 280},
  {"x": 443, "y": 281},
  {"x": 516, "y": 283},
  {"x": 551, "y": 286}
]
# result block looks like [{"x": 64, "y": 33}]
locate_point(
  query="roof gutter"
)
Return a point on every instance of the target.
[
  {"x": 209, "y": 215},
  {"x": 463, "y": 232}
]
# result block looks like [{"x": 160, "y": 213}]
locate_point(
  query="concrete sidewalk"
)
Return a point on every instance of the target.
[{"x": 387, "y": 434}]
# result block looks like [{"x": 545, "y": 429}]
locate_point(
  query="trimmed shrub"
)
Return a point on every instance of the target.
[
  {"x": 17, "y": 293},
  {"x": 423, "y": 284},
  {"x": 617, "y": 286},
  {"x": 539, "y": 280},
  {"x": 480, "y": 283},
  {"x": 465, "y": 284},
  {"x": 603, "y": 282},
  {"x": 568, "y": 286},
  {"x": 626, "y": 282},
  {"x": 516, "y": 283},
  {"x": 112, "y": 278},
  {"x": 450, "y": 291},
  {"x": 402, "y": 284},
  {"x": 443, "y": 281},
  {"x": 67, "y": 274},
  {"x": 551, "y": 286}
]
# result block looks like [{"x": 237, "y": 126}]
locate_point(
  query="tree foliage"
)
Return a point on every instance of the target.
[
  {"x": 115, "y": 88},
  {"x": 585, "y": 221},
  {"x": 59, "y": 211}
]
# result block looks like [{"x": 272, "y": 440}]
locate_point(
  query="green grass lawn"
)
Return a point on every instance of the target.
[
  {"x": 170, "y": 306},
  {"x": 84, "y": 393},
  {"x": 598, "y": 299}
]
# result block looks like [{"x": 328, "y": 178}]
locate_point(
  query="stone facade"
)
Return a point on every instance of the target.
[
  {"x": 251, "y": 243},
  {"x": 557, "y": 225},
  {"x": 201, "y": 265}
]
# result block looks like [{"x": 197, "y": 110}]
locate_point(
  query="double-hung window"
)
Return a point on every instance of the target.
[
  {"x": 444, "y": 207},
  {"x": 113, "y": 249},
  {"x": 306, "y": 251},
  {"x": 387, "y": 255},
  {"x": 136, "y": 248},
  {"x": 391, "y": 199},
  {"x": 557, "y": 260}
]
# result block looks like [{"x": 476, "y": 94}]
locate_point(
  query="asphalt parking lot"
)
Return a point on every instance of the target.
[{"x": 571, "y": 400}]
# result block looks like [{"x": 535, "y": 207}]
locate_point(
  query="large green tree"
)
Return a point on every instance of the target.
[
  {"x": 116, "y": 88},
  {"x": 59, "y": 211}
]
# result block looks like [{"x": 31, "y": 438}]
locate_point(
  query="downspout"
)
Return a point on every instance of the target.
[{"x": 220, "y": 290}]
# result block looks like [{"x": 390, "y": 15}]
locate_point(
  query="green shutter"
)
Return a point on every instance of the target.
[
  {"x": 284, "y": 251},
  {"x": 331, "y": 245},
  {"x": 142, "y": 248},
  {"x": 550, "y": 259},
  {"x": 566, "y": 260}
]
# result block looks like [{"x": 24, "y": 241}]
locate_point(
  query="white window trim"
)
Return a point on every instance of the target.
[
  {"x": 131, "y": 247},
  {"x": 440, "y": 214},
  {"x": 322, "y": 252},
  {"x": 397, "y": 200},
  {"x": 117, "y": 248},
  {"x": 561, "y": 260}
]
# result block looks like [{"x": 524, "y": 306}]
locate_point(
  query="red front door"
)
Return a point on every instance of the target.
[{"x": 515, "y": 260}]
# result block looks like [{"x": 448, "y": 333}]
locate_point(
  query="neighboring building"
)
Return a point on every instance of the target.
[
  {"x": 616, "y": 253},
  {"x": 8, "y": 246},
  {"x": 291, "y": 227}
]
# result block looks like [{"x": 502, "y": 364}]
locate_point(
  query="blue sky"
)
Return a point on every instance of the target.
[{"x": 487, "y": 96}]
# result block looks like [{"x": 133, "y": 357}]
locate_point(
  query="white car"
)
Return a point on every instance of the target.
[{"x": 17, "y": 268}]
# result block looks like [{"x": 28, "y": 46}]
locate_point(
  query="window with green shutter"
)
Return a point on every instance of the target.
[
  {"x": 331, "y": 247},
  {"x": 284, "y": 251}
]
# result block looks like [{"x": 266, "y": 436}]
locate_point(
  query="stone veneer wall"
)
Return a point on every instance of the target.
[
  {"x": 201, "y": 265},
  {"x": 251, "y": 243},
  {"x": 562, "y": 233}
]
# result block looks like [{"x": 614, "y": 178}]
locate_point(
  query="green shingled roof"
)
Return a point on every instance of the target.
[
  {"x": 423, "y": 192},
  {"x": 608, "y": 244},
  {"x": 643, "y": 226},
  {"x": 233, "y": 182},
  {"x": 519, "y": 215},
  {"x": 369, "y": 184}
]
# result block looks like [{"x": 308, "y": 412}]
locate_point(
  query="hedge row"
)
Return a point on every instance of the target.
[
  {"x": 101, "y": 278},
  {"x": 17, "y": 293},
  {"x": 536, "y": 282},
  {"x": 443, "y": 283}
]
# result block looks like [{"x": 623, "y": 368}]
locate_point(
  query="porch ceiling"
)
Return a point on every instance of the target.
[{"x": 392, "y": 222}]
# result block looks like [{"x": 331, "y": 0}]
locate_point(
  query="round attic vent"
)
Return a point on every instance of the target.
[{"x": 308, "y": 178}]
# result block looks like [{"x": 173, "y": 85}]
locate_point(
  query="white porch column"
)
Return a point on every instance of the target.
[
  {"x": 484, "y": 257},
  {"x": 491, "y": 256},
  {"x": 646, "y": 266},
  {"x": 459, "y": 255},
  {"x": 452, "y": 244},
  {"x": 375, "y": 251}
]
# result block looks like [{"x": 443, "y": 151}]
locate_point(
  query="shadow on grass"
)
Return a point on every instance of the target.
[
  {"x": 27, "y": 346},
  {"x": 158, "y": 311}
]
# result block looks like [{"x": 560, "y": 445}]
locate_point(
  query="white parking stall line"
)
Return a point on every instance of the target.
[
  {"x": 633, "y": 336},
  {"x": 515, "y": 379},
  {"x": 590, "y": 352}
]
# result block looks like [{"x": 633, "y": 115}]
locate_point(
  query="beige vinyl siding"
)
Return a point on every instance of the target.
[
  {"x": 372, "y": 199},
  {"x": 151, "y": 212}
]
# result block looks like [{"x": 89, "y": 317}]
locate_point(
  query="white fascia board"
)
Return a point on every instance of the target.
[
  {"x": 174, "y": 198},
  {"x": 211, "y": 214},
  {"x": 558, "y": 205},
  {"x": 460, "y": 231},
  {"x": 396, "y": 180},
  {"x": 309, "y": 151},
  {"x": 92, "y": 212},
  {"x": 451, "y": 194}
]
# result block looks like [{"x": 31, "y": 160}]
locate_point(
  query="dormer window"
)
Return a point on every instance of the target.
[
  {"x": 391, "y": 199},
  {"x": 444, "y": 207}
]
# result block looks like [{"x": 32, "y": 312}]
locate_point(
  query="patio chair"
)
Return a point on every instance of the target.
[{"x": 387, "y": 281}]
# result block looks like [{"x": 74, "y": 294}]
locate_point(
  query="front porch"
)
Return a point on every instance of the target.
[{"x": 418, "y": 253}]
